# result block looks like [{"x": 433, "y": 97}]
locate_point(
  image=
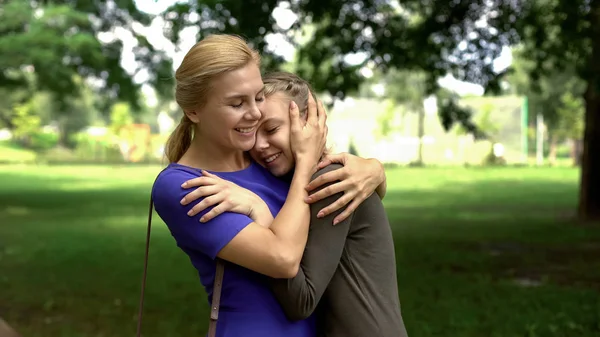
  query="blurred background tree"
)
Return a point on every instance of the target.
[{"x": 45, "y": 46}]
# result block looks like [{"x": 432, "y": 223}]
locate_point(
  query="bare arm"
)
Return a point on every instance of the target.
[{"x": 275, "y": 251}]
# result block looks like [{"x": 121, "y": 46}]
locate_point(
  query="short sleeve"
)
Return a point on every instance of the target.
[{"x": 209, "y": 237}]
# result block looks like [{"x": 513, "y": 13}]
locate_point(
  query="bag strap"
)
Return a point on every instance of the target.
[
  {"x": 218, "y": 284},
  {"x": 216, "y": 298}
]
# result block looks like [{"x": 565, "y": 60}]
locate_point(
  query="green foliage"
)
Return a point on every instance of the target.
[
  {"x": 424, "y": 37},
  {"x": 432, "y": 38},
  {"x": 387, "y": 120},
  {"x": 25, "y": 122},
  {"x": 571, "y": 116},
  {"x": 120, "y": 116},
  {"x": 42, "y": 141},
  {"x": 557, "y": 35},
  {"x": 58, "y": 41},
  {"x": 547, "y": 93},
  {"x": 486, "y": 124},
  {"x": 406, "y": 88},
  {"x": 87, "y": 149}
]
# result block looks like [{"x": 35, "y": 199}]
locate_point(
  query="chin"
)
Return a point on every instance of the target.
[
  {"x": 279, "y": 171},
  {"x": 274, "y": 171},
  {"x": 246, "y": 147}
]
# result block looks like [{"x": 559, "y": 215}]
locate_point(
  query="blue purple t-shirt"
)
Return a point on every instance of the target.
[{"x": 248, "y": 306}]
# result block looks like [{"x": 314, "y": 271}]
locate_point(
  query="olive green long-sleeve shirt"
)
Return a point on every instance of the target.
[{"x": 347, "y": 275}]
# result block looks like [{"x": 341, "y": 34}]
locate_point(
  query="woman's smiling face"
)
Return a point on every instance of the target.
[{"x": 272, "y": 149}]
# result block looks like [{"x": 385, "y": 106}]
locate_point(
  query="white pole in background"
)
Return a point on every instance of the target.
[{"x": 539, "y": 140}]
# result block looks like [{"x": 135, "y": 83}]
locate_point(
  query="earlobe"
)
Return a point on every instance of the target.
[{"x": 192, "y": 115}]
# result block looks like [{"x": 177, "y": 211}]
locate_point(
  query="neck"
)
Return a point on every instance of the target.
[{"x": 209, "y": 156}]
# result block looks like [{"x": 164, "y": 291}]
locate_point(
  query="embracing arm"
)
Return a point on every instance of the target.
[
  {"x": 275, "y": 251},
  {"x": 300, "y": 295},
  {"x": 358, "y": 179}
]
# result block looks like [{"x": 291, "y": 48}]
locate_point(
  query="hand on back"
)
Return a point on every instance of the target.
[{"x": 357, "y": 179}]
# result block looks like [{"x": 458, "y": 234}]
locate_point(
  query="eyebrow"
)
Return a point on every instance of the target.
[
  {"x": 234, "y": 96},
  {"x": 272, "y": 120}
]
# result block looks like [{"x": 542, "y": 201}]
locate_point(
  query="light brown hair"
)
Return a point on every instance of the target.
[
  {"x": 293, "y": 86},
  {"x": 204, "y": 63}
]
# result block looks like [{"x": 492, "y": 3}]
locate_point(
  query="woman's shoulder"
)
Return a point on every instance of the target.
[
  {"x": 328, "y": 168},
  {"x": 174, "y": 173},
  {"x": 168, "y": 181}
]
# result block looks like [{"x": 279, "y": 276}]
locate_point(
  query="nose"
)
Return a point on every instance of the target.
[
  {"x": 254, "y": 112},
  {"x": 261, "y": 143}
]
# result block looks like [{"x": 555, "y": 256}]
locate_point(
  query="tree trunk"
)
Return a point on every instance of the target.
[
  {"x": 589, "y": 191},
  {"x": 589, "y": 194},
  {"x": 576, "y": 152},
  {"x": 552, "y": 149}
]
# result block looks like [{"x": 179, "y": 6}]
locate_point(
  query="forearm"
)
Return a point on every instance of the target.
[
  {"x": 290, "y": 226},
  {"x": 300, "y": 295}
]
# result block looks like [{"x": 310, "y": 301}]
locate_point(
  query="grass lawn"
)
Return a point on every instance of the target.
[
  {"x": 11, "y": 153},
  {"x": 480, "y": 252}
]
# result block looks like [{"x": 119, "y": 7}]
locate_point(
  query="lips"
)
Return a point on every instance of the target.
[
  {"x": 245, "y": 130},
  {"x": 271, "y": 158}
]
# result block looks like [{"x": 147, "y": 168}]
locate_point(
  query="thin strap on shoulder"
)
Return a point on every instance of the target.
[
  {"x": 218, "y": 284},
  {"x": 216, "y": 300},
  {"x": 144, "y": 274}
]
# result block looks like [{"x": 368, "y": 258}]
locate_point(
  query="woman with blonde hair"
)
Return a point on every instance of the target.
[{"x": 220, "y": 90}]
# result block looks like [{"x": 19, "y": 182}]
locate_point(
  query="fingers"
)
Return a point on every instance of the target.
[
  {"x": 295, "y": 117},
  {"x": 208, "y": 174},
  {"x": 220, "y": 208},
  {"x": 329, "y": 177},
  {"x": 347, "y": 212},
  {"x": 323, "y": 163},
  {"x": 336, "y": 205},
  {"x": 199, "y": 182},
  {"x": 342, "y": 186},
  {"x": 313, "y": 111},
  {"x": 329, "y": 159},
  {"x": 204, "y": 204},
  {"x": 321, "y": 115},
  {"x": 202, "y": 191}
]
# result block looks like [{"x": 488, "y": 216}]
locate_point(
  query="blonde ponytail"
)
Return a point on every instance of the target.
[{"x": 180, "y": 140}]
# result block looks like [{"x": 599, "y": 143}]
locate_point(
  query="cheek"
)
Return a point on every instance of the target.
[{"x": 283, "y": 141}]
